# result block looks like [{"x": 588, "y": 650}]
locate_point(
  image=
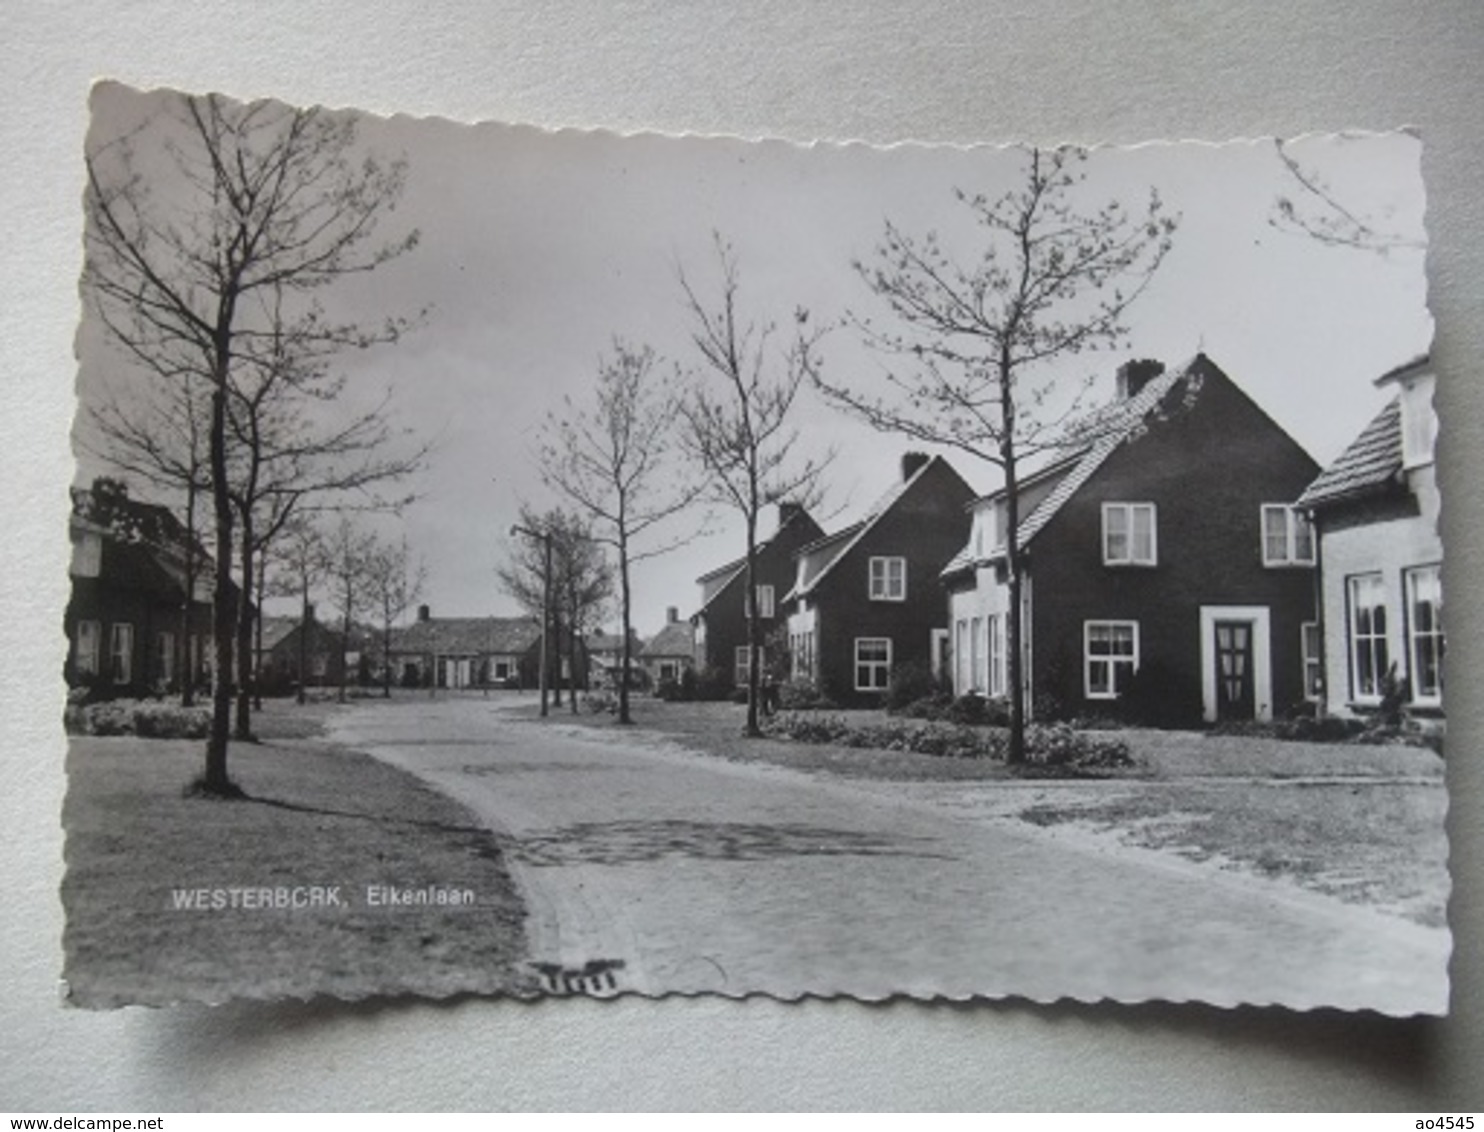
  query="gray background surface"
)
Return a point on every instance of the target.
[{"x": 877, "y": 71}]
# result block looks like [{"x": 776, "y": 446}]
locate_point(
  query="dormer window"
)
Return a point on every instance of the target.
[
  {"x": 888, "y": 579},
  {"x": 1129, "y": 537},
  {"x": 1287, "y": 536}
]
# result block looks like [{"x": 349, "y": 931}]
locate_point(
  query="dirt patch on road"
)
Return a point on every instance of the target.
[{"x": 320, "y": 819}]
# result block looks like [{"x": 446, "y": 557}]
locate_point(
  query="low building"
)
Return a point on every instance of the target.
[
  {"x": 466, "y": 652},
  {"x": 669, "y": 653}
]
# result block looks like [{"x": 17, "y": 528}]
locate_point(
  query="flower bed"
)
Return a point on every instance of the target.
[
  {"x": 148, "y": 719},
  {"x": 1045, "y": 745}
]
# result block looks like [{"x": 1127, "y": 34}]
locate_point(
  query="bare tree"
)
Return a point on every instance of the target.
[
  {"x": 287, "y": 458},
  {"x": 349, "y": 554},
  {"x": 738, "y": 423},
  {"x": 1317, "y": 211},
  {"x": 239, "y": 202},
  {"x": 1050, "y": 279},
  {"x": 302, "y": 562},
  {"x": 393, "y": 585},
  {"x": 581, "y": 582},
  {"x": 616, "y": 459}
]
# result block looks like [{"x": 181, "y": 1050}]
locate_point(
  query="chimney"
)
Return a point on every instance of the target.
[
  {"x": 911, "y": 462},
  {"x": 787, "y": 512},
  {"x": 672, "y": 614},
  {"x": 423, "y": 612},
  {"x": 1134, "y": 375}
]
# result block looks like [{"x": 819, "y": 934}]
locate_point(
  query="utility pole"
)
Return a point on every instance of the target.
[{"x": 545, "y": 537}]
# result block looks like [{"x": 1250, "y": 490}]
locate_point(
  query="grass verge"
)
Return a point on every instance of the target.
[{"x": 317, "y": 817}]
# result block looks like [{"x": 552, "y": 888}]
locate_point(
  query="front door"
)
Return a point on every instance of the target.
[{"x": 1234, "y": 688}]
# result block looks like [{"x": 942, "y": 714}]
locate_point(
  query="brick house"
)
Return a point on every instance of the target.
[
  {"x": 466, "y": 652},
  {"x": 866, "y": 600},
  {"x": 671, "y": 651},
  {"x": 720, "y": 624},
  {"x": 1375, "y": 510},
  {"x": 131, "y": 627},
  {"x": 1167, "y": 545}
]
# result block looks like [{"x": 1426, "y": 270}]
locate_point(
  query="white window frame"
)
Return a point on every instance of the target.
[
  {"x": 1311, "y": 650},
  {"x": 121, "y": 652},
  {"x": 995, "y": 631},
  {"x": 1111, "y": 660},
  {"x": 165, "y": 643},
  {"x": 741, "y": 658},
  {"x": 1431, "y": 697},
  {"x": 1131, "y": 557},
  {"x": 89, "y": 636},
  {"x": 976, "y": 657},
  {"x": 878, "y": 668},
  {"x": 1372, "y": 641},
  {"x": 669, "y": 670},
  {"x": 880, "y": 585},
  {"x": 765, "y": 603},
  {"x": 1294, "y": 523}
]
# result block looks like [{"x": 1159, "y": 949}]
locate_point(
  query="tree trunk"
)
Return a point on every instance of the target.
[
  {"x": 257, "y": 652},
  {"x": 1016, "y": 752},
  {"x": 303, "y": 696},
  {"x": 188, "y": 666},
  {"x": 754, "y": 667},
  {"x": 245, "y": 660},
  {"x": 623, "y": 672},
  {"x": 224, "y": 609}
]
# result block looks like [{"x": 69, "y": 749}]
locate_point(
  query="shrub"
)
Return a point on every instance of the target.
[
  {"x": 669, "y": 690},
  {"x": 149, "y": 719},
  {"x": 928, "y": 707},
  {"x": 909, "y": 682},
  {"x": 802, "y": 694},
  {"x": 1059, "y": 745}
]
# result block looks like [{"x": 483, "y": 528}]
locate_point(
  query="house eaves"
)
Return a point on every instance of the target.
[{"x": 1371, "y": 465}]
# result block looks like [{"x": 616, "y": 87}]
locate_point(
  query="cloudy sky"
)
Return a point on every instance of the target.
[{"x": 538, "y": 248}]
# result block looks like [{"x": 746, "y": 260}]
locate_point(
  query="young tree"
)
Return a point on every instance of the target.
[
  {"x": 237, "y": 202},
  {"x": 581, "y": 582},
  {"x": 348, "y": 565},
  {"x": 982, "y": 331},
  {"x": 738, "y": 424},
  {"x": 393, "y": 585},
  {"x": 302, "y": 563},
  {"x": 287, "y": 459},
  {"x": 615, "y": 459}
]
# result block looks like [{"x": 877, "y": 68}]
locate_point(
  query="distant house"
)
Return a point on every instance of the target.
[
  {"x": 721, "y": 622},
  {"x": 671, "y": 651},
  {"x": 466, "y": 652},
  {"x": 866, "y": 600},
  {"x": 322, "y": 657},
  {"x": 1376, "y": 513},
  {"x": 131, "y": 626},
  {"x": 603, "y": 658},
  {"x": 1167, "y": 546}
]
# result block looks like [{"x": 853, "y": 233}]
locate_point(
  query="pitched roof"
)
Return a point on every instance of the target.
[
  {"x": 1369, "y": 465},
  {"x": 1109, "y": 429},
  {"x": 275, "y": 629},
  {"x": 468, "y": 635},
  {"x": 675, "y": 639},
  {"x": 737, "y": 565},
  {"x": 850, "y": 536}
]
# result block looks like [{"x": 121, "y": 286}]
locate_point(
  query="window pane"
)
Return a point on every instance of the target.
[
  {"x": 1115, "y": 534},
  {"x": 1303, "y": 538},
  {"x": 1143, "y": 534}
]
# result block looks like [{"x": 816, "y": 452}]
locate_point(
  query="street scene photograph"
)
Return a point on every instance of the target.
[{"x": 548, "y": 564}]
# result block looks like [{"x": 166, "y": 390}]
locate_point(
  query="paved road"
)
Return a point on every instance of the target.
[{"x": 651, "y": 869}]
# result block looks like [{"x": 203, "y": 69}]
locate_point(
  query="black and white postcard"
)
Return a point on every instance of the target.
[{"x": 555, "y": 563}]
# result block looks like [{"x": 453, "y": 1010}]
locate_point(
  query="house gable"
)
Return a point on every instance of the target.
[{"x": 1198, "y": 468}]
